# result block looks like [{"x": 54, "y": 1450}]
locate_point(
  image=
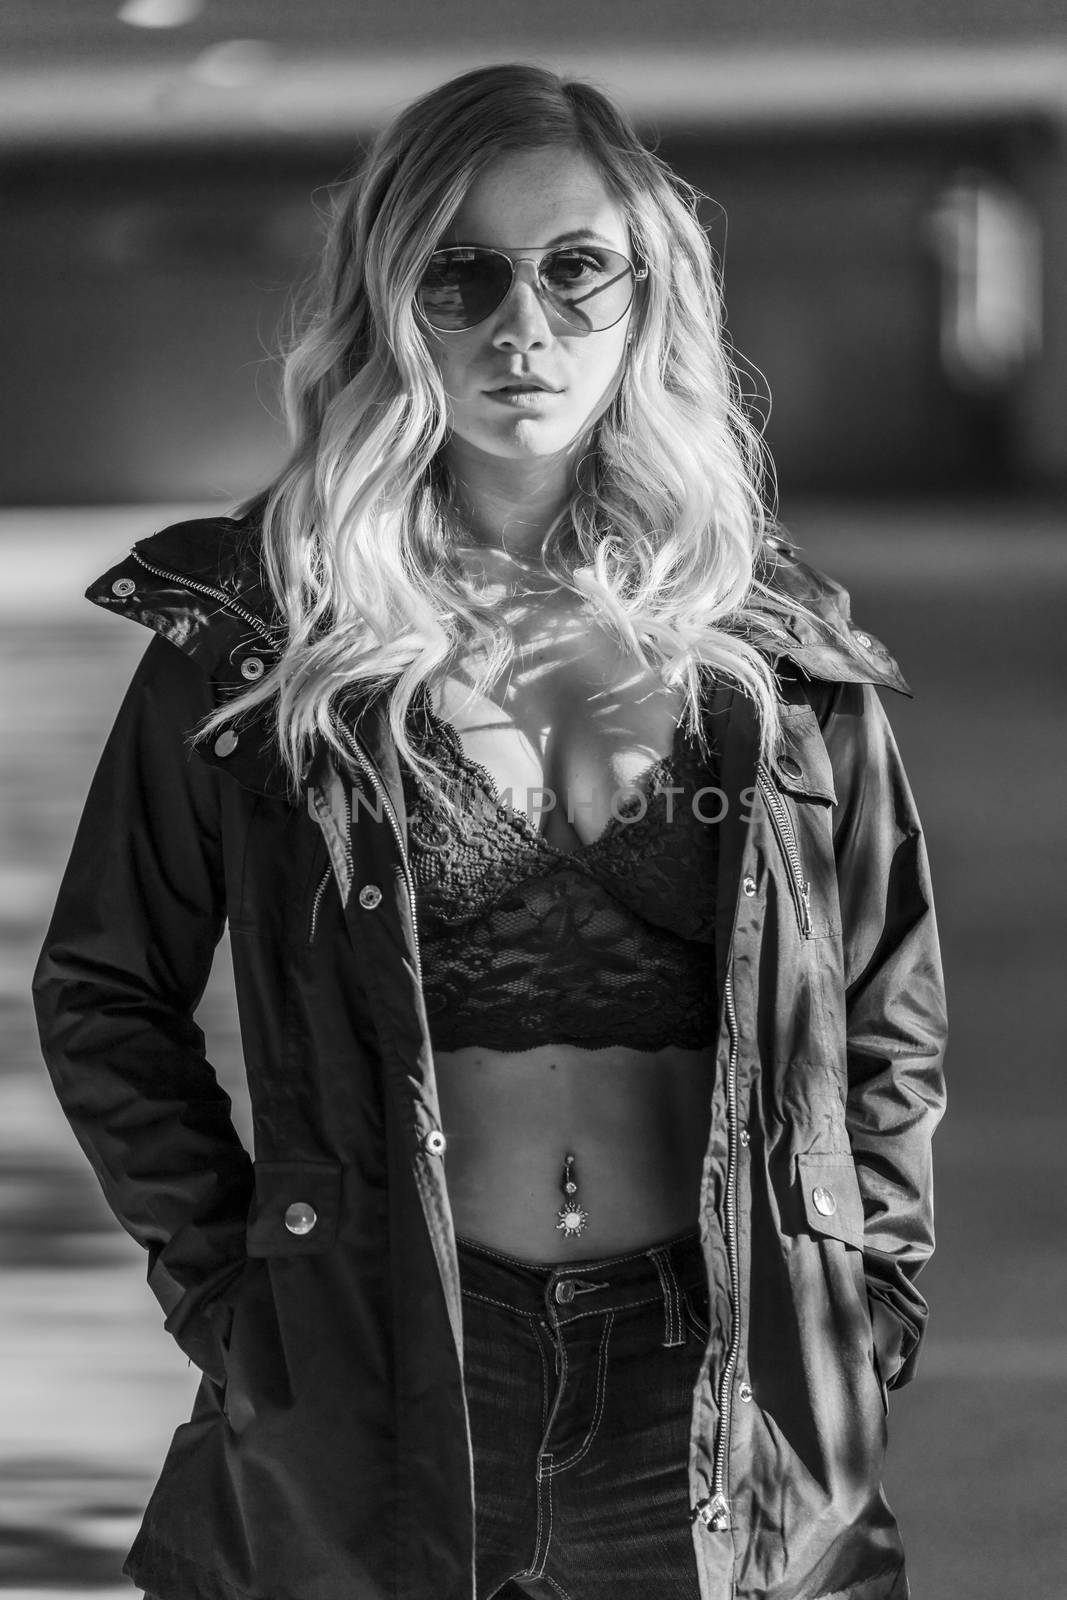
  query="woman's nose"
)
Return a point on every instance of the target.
[{"x": 522, "y": 318}]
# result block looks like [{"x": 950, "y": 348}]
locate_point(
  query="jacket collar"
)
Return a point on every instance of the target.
[
  {"x": 201, "y": 584},
  {"x": 192, "y": 581},
  {"x": 823, "y": 641}
]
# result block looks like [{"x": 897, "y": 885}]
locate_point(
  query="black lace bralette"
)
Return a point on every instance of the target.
[{"x": 525, "y": 944}]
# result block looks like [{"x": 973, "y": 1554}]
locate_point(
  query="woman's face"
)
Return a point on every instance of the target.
[{"x": 527, "y": 201}]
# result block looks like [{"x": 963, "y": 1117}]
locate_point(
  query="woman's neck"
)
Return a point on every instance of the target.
[{"x": 508, "y": 506}]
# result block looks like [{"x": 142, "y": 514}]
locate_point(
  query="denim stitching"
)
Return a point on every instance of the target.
[
  {"x": 698, "y": 1322},
  {"x": 577, "y": 1316},
  {"x": 598, "y": 1404},
  {"x": 544, "y": 1494},
  {"x": 551, "y": 1509},
  {"x": 631, "y": 1305},
  {"x": 488, "y": 1300},
  {"x": 544, "y": 1381},
  {"x": 544, "y": 1467},
  {"x": 560, "y": 1590},
  {"x": 669, "y": 1282},
  {"x": 564, "y": 1374},
  {"x": 530, "y": 1571}
]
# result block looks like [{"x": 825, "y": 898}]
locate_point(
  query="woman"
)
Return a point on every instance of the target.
[{"x": 581, "y": 926}]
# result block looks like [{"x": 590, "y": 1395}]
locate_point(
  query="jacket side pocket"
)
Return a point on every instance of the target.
[
  {"x": 297, "y": 1208},
  {"x": 833, "y": 1206},
  {"x": 830, "y": 1192},
  {"x": 296, "y": 1212}
]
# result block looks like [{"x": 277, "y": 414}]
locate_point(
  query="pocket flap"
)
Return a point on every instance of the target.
[
  {"x": 802, "y": 766},
  {"x": 833, "y": 1204},
  {"x": 296, "y": 1208}
]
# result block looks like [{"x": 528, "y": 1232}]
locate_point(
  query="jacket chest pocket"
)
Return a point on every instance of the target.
[
  {"x": 282, "y": 859},
  {"x": 797, "y": 789}
]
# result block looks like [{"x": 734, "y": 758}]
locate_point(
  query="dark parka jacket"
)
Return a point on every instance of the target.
[{"x": 328, "y": 1452}]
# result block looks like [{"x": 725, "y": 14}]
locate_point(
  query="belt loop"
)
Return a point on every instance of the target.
[{"x": 674, "y": 1325}]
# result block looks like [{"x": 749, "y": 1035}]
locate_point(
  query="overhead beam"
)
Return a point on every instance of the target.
[{"x": 317, "y": 98}]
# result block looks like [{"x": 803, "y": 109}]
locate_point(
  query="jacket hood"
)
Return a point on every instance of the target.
[{"x": 202, "y": 585}]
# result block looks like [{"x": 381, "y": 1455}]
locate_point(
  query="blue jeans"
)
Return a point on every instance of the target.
[{"x": 580, "y": 1384}]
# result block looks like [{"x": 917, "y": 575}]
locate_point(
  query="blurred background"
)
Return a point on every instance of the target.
[{"x": 887, "y": 190}]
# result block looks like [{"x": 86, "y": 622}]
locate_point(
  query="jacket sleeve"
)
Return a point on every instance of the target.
[
  {"x": 125, "y": 961},
  {"x": 895, "y": 1015}
]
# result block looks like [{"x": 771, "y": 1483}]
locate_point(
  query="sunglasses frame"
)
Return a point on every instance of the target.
[{"x": 515, "y": 257}]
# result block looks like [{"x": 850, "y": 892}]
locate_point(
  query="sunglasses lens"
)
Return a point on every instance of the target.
[
  {"x": 460, "y": 288},
  {"x": 587, "y": 286}
]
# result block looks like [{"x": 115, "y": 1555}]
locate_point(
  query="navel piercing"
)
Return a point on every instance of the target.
[{"x": 572, "y": 1218}]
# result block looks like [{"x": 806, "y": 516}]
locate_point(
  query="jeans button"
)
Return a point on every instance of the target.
[{"x": 564, "y": 1293}]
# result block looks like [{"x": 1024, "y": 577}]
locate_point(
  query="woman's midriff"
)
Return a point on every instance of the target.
[
  {"x": 636, "y": 1123},
  {"x": 579, "y": 723}
]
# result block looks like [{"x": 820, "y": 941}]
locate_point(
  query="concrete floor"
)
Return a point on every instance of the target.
[{"x": 970, "y": 600}]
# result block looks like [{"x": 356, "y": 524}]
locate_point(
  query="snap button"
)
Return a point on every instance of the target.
[
  {"x": 252, "y": 667},
  {"x": 864, "y": 639},
  {"x": 122, "y": 587},
  {"x": 749, "y": 886},
  {"x": 791, "y": 768},
  {"x": 370, "y": 896},
  {"x": 744, "y": 1137},
  {"x": 434, "y": 1142},
  {"x": 824, "y": 1201},
  {"x": 300, "y": 1218},
  {"x": 226, "y": 743},
  {"x": 564, "y": 1292},
  {"x": 745, "y": 1391}
]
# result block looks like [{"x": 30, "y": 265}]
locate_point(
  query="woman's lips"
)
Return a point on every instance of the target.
[{"x": 521, "y": 395}]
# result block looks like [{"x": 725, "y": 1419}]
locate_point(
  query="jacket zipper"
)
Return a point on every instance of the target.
[
  {"x": 714, "y": 1512},
  {"x": 316, "y": 904},
  {"x": 254, "y": 622},
  {"x": 368, "y": 766},
  {"x": 783, "y": 827},
  {"x": 323, "y": 883}
]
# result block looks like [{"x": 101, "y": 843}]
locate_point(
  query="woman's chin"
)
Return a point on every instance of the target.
[{"x": 526, "y": 438}]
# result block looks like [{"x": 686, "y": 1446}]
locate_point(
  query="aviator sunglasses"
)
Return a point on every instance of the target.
[{"x": 588, "y": 286}]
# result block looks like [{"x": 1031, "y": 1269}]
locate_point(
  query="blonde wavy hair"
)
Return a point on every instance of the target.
[{"x": 666, "y": 514}]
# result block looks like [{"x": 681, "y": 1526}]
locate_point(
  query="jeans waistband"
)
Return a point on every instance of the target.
[{"x": 560, "y": 1292}]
